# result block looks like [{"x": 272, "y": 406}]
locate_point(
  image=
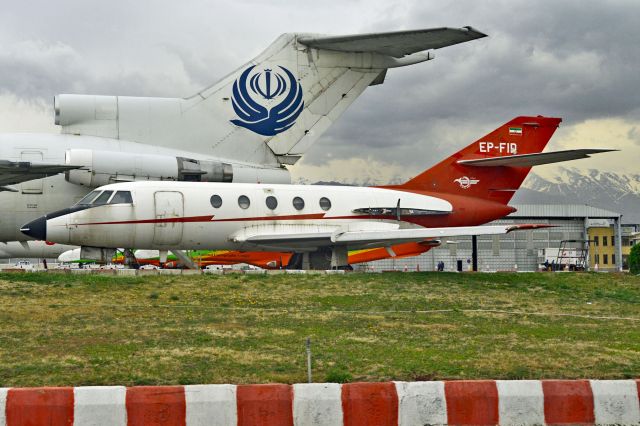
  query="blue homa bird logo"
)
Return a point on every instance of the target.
[{"x": 256, "y": 117}]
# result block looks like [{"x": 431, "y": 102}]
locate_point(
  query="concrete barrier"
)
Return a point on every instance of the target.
[{"x": 481, "y": 402}]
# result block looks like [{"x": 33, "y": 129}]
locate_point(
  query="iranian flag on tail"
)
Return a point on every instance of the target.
[{"x": 515, "y": 131}]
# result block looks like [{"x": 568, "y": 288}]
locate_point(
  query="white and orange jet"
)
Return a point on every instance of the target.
[{"x": 322, "y": 223}]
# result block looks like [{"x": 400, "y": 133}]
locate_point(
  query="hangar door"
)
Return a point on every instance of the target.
[{"x": 168, "y": 205}]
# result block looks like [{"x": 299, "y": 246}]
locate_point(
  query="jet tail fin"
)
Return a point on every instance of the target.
[
  {"x": 511, "y": 148},
  {"x": 269, "y": 111}
]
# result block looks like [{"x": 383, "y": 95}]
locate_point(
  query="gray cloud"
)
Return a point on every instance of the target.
[{"x": 577, "y": 60}]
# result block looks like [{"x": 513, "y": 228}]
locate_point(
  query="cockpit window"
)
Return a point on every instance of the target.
[
  {"x": 102, "y": 199},
  {"x": 89, "y": 197},
  {"x": 121, "y": 197}
]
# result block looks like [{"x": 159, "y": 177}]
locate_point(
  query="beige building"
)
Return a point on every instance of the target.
[{"x": 602, "y": 244}]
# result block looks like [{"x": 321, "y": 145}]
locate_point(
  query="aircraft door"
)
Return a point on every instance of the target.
[
  {"x": 168, "y": 205},
  {"x": 33, "y": 186}
]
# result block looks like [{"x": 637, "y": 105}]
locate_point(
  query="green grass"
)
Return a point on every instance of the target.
[{"x": 58, "y": 329}]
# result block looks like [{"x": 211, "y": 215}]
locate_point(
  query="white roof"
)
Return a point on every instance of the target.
[{"x": 562, "y": 210}]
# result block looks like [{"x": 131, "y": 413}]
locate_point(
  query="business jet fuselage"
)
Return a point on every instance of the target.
[{"x": 261, "y": 217}]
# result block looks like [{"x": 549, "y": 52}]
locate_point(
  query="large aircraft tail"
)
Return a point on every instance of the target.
[
  {"x": 494, "y": 166},
  {"x": 270, "y": 110}
]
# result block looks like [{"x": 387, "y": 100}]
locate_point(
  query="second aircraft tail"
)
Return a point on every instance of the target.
[{"x": 270, "y": 110}]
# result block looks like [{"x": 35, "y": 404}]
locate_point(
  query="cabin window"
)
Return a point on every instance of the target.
[
  {"x": 216, "y": 201},
  {"x": 298, "y": 203},
  {"x": 121, "y": 197},
  {"x": 325, "y": 203},
  {"x": 271, "y": 202},
  {"x": 102, "y": 199},
  {"x": 243, "y": 202},
  {"x": 87, "y": 199}
]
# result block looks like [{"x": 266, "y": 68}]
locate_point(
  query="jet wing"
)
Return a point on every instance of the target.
[
  {"x": 374, "y": 238},
  {"x": 528, "y": 160},
  {"x": 396, "y": 44},
  {"x": 13, "y": 172}
]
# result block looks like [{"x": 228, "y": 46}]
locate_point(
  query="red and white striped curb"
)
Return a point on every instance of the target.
[{"x": 482, "y": 402}]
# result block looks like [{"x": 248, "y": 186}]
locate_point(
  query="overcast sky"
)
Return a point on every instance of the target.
[{"x": 579, "y": 60}]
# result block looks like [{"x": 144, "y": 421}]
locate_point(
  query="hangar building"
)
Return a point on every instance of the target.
[{"x": 587, "y": 235}]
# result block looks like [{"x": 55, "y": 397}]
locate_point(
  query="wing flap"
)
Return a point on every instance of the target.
[
  {"x": 529, "y": 160},
  {"x": 13, "y": 172},
  {"x": 396, "y": 44},
  {"x": 372, "y": 238}
]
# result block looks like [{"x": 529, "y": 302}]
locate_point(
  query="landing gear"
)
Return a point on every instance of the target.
[
  {"x": 321, "y": 259},
  {"x": 130, "y": 259},
  {"x": 183, "y": 257},
  {"x": 339, "y": 257}
]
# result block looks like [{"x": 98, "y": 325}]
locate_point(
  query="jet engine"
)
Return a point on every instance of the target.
[{"x": 104, "y": 167}]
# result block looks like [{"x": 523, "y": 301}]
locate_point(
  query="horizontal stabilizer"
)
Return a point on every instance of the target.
[
  {"x": 13, "y": 172},
  {"x": 396, "y": 44},
  {"x": 536, "y": 159}
]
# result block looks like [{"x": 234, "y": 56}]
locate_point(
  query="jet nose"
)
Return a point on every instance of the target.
[{"x": 36, "y": 229}]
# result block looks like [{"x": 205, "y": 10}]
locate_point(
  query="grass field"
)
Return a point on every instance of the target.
[{"x": 58, "y": 329}]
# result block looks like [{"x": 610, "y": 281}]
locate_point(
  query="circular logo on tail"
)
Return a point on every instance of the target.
[
  {"x": 465, "y": 182},
  {"x": 253, "y": 93}
]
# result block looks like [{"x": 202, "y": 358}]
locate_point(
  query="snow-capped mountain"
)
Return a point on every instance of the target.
[{"x": 607, "y": 190}]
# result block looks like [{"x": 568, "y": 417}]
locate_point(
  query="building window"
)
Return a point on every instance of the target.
[
  {"x": 613, "y": 259},
  {"x": 216, "y": 201},
  {"x": 243, "y": 202},
  {"x": 604, "y": 240},
  {"x": 298, "y": 203},
  {"x": 596, "y": 241},
  {"x": 605, "y": 259},
  {"x": 596, "y": 259},
  {"x": 325, "y": 203},
  {"x": 613, "y": 240},
  {"x": 271, "y": 202}
]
